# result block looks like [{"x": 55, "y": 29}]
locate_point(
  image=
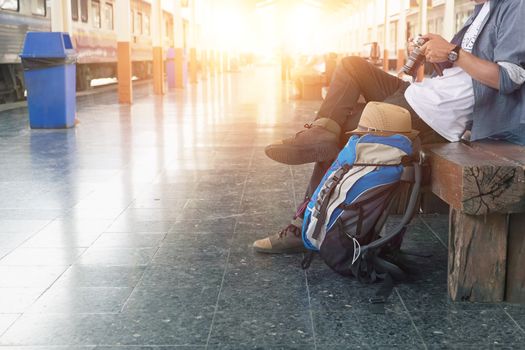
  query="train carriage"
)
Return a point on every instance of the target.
[
  {"x": 16, "y": 18},
  {"x": 93, "y": 35}
]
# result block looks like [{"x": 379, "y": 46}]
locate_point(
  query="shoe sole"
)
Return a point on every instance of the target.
[
  {"x": 280, "y": 251},
  {"x": 295, "y": 155}
]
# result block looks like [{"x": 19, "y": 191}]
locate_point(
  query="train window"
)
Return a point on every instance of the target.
[
  {"x": 95, "y": 10},
  {"x": 11, "y": 5},
  {"x": 147, "y": 27},
  {"x": 38, "y": 7},
  {"x": 108, "y": 16},
  {"x": 138, "y": 23},
  {"x": 74, "y": 10},
  {"x": 84, "y": 11}
]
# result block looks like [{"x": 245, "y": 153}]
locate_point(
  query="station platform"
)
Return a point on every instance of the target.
[{"x": 134, "y": 231}]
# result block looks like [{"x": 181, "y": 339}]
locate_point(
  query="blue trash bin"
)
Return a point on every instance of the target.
[{"x": 49, "y": 60}]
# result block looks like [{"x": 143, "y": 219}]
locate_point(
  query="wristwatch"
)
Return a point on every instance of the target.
[{"x": 454, "y": 54}]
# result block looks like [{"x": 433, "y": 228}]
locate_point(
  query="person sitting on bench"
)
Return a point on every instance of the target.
[{"x": 482, "y": 88}]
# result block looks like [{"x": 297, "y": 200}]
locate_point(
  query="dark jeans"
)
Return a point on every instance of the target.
[
  {"x": 352, "y": 78},
  {"x": 355, "y": 76}
]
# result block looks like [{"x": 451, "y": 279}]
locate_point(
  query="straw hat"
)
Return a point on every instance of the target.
[{"x": 385, "y": 119}]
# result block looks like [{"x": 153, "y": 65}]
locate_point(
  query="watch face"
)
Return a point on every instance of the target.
[{"x": 452, "y": 56}]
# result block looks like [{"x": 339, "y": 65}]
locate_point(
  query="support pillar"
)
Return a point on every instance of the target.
[
  {"x": 204, "y": 64},
  {"x": 386, "y": 37},
  {"x": 449, "y": 19},
  {"x": 477, "y": 256},
  {"x": 178, "y": 39},
  {"x": 218, "y": 62},
  {"x": 225, "y": 62},
  {"x": 515, "y": 288},
  {"x": 210, "y": 57},
  {"x": 401, "y": 35},
  {"x": 158, "y": 55},
  {"x": 61, "y": 16},
  {"x": 423, "y": 29},
  {"x": 124, "y": 67},
  {"x": 193, "y": 65}
]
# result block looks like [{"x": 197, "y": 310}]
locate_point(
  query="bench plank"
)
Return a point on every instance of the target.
[
  {"x": 476, "y": 181},
  {"x": 477, "y": 257},
  {"x": 504, "y": 150}
]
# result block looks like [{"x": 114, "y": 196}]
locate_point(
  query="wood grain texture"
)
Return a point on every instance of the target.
[
  {"x": 515, "y": 292},
  {"x": 476, "y": 181},
  {"x": 489, "y": 189},
  {"x": 477, "y": 257}
]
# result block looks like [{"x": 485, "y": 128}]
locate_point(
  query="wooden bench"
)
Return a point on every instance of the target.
[{"x": 484, "y": 185}]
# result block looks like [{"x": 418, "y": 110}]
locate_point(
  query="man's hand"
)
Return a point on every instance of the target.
[{"x": 436, "y": 49}]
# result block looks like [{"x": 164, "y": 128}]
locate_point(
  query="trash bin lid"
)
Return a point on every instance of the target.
[{"x": 47, "y": 45}]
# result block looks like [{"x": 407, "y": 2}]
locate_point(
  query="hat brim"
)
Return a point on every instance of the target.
[{"x": 411, "y": 135}]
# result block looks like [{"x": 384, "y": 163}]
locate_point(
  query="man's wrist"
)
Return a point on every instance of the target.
[
  {"x": 461, "y": 57},
  {"x": 454, "y": 54}
]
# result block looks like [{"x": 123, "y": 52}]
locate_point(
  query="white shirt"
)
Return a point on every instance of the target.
[{"x": 446, "y": 103}]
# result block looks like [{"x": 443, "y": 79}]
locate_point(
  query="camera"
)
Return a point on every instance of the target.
[{"x": 416, "y": 58}]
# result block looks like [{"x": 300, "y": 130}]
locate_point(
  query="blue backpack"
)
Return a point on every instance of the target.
[{"x": 346, "y": 214}]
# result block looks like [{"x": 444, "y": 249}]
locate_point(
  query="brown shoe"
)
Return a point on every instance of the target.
[
  {"x": 288, "y": 241},
  {"x": 318, "y": 143}
]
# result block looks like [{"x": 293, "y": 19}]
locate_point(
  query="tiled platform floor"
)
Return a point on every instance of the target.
[{"x": 133, "y": 231}]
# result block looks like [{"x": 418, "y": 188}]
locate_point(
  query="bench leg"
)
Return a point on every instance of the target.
[
  {"x": 516, "y": 260},
  {"x": 477, "y": 257}
]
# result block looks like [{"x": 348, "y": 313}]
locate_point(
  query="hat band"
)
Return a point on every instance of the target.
[{"x": 365, "y": 128}]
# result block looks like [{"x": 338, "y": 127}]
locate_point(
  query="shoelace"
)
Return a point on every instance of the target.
[
  {"x": 290, "y": 228},
  {"x": 306, "y": 126}
]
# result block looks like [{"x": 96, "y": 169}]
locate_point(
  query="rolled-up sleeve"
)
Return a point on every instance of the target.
[{"x": 510, "y": 45}]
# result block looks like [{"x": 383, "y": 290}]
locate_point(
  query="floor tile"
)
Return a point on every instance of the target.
[
  {"x": 128, "y": 240},
  {"x": 256, "y": 294},
  {"x": 117, "y": 256},
  {"x": 79, "y": 276},
  {"x": 18, "y": 300},
  {"x": 172, "y": 299},
  {"x": 390, "y": 329},
  {"x": 183, "y": 276},
  {"x": 6, "y": 320},
  {"x": 69, "y": 347},
  {"x": 22, "y": 225},
  {"x": 61, "y": 299},
  {"x": 517, "y": 313},
  {"x": 76, "y": 225},
  {"x": 132, "y": 225},
  {"x": 29, "y": 276},
  {"x": 467, "y": 327},
  {"x": 61, "y": 240},
  {"x": 109, "y": 329},
  {"x": 42, "y": 257},
  {"x": 222, "y": 225},
  {"x": 169, "y": 254},
  {"x": 264, "y": 329}
]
